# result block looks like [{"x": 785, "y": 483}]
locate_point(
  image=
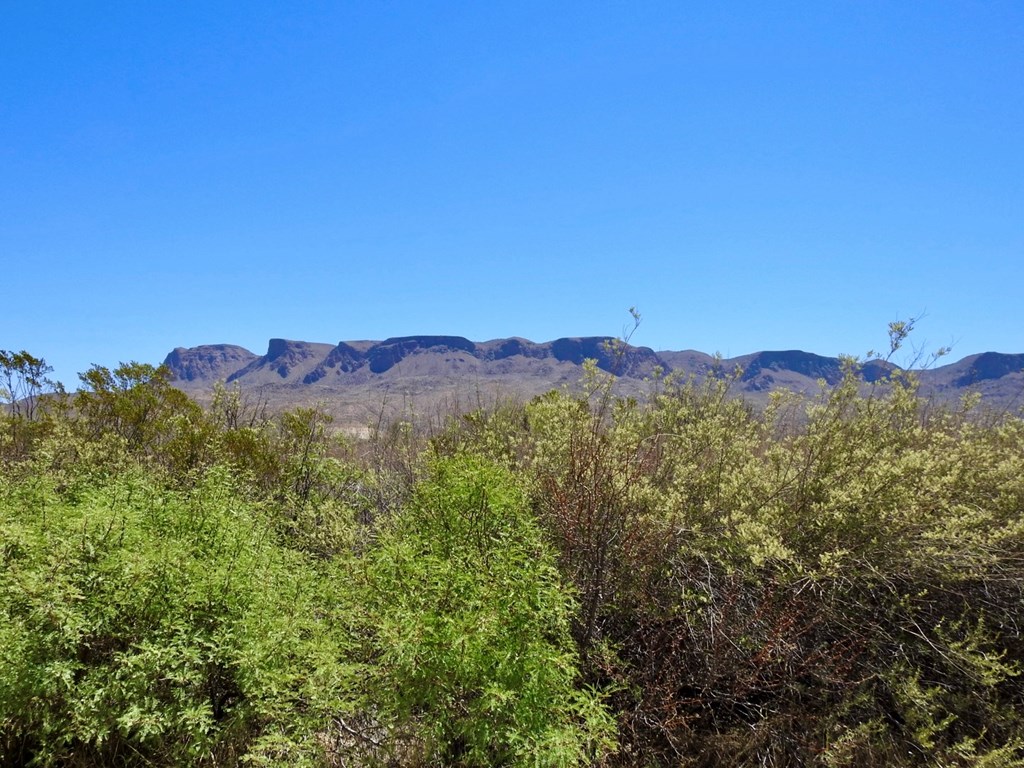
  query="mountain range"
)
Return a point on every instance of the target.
[{"x": 357, "y": 381}]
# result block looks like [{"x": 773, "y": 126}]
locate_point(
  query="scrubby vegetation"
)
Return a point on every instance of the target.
[{"x": 578, "y": 580}]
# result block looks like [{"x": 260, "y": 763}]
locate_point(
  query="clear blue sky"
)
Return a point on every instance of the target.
[{"x": 749, "y": 175}]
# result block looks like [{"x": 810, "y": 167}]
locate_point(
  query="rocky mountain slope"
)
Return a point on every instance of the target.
[{"x": 426, "y": 375}]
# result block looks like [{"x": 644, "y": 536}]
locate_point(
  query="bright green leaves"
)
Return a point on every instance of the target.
[
  {"x": 474, "y": 662},
  {"x": 148, "y": 625},
  {"x": 161, "y": 624}
]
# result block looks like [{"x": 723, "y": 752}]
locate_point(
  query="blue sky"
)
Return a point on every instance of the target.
[{"x": 748, "y": 175}]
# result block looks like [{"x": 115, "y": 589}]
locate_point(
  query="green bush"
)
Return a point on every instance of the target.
[
  {"x": 474, "y": 664},
  {"x": 147, "y": 626},
  {"x": 834, "y": 580}
]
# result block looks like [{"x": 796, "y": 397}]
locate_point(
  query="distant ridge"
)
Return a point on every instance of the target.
[
  {"x": 208, "y": 363},
  {"x": 352, "y": 378}
]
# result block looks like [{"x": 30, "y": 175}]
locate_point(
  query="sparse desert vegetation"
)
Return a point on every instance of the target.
[{"x": 576, "y": 579}]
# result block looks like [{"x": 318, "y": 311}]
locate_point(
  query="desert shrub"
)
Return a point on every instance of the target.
[
  {"x": 833, "y": 580},
  {"x": 24, "y": 388},
  {"x": 499, "y": 433},
  {"x": 137, "y": 403},
  {"x": 143, "y": 625},
  {"x": 473, "y": 662},
  {"x": 849, "y": 575}
]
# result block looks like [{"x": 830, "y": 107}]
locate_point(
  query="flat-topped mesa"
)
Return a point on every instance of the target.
[
  {"x": 207, "y": 362},
  {"x": 380, "y": 356},
  {"x": 414, "y": 343},
  {"x": 391, "y": 351},
  {"x": 611, "y": 355},
  {"x": 502, "y": 349}
]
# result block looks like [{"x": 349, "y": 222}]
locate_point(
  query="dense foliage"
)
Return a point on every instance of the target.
[{"x": 578, "y": 580}]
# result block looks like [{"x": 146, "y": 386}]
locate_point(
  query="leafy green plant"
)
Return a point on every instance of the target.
[
  {"x": 834, "y": 580},
  {"x": 25, "y": 394},
  {"x": 473, "y": 661},
  {"x": 148, "y": 626}
]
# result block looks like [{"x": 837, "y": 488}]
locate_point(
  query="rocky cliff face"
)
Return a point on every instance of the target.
[
  {"x": 211, "y": 362},
  {"x": 313, "y": 363},
  {"x": 284, "y": 358},
  {"x": 985, "y": 367},
  {"x": 355, "y": 375}
]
